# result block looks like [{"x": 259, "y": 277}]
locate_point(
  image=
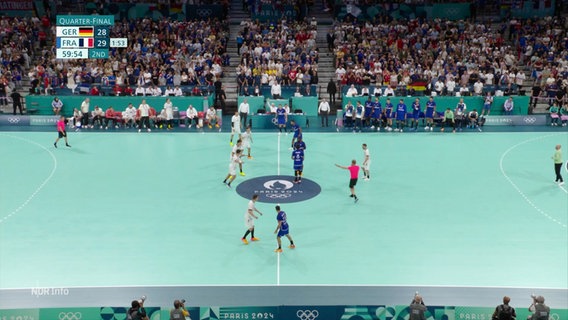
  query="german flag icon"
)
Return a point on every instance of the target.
[{"x": 86, "y": 31}]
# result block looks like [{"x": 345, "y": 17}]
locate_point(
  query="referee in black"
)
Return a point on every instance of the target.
[{"x": 417, "y": 308}]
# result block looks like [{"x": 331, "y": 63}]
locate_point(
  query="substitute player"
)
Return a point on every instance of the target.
[
  {"x": 366, "y": 163},
  {"x": 246, "y": 137},
  {"x": 249, "y": 222},
  {"x": 235, "y": 160},
  {"x": 298, "y": 157},
  {"x": 235, "y": 126},
  {"x": 429, "y": 114},
  {"x": 389, "y": 114},
  {"x": 282, "y": 230},
  {"x": 416, "y": 109},
  {"x": 61, "y": 131},
  {"x": 401, "y": 111},
  {"x": 281, "y": 118},
  {"x": 354, "y": 175}
]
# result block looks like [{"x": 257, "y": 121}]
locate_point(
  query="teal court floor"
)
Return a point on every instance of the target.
[{"x": 471, "y": 209}]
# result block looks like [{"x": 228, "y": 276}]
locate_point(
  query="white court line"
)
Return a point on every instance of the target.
[
  {"x": 277, "y": 268},
  {"x": 18, "y": 209},
  {"x": 539, "y": 210},
  {"x": 278, "y": 154}
]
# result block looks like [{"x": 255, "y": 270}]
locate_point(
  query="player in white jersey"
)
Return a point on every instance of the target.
[
  {"x": 235, "y": 126},
  {"x": 235, "y": 160},
  {"x": 366, "y": 163},
  {"x": 249, "y": 222},
  {"x": 238, "y": 147},
  {"x": 246, "y": 137}
]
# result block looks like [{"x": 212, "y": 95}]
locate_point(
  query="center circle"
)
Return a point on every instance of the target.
[{"x": 278, "y": 189}]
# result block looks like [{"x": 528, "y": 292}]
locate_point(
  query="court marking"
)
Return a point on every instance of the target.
[
  {"x": 30, "y": 198},
  {"x": 539, "y": 210}
]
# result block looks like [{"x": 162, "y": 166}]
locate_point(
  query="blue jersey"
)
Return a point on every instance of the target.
[
  {"x": 368, "y": 108},
  {"x": 282, "y": 217},
  {"x": 430, "y": 106},
  {"x": 349, "y": 111},
  {"x": 296, "y": 129},
  {"x": 388, "y": 109},
  {"x": 416, "y": 109},
  {"x": 377, "y": 110},
  {"x": 401, "y": 111},
  {"x": 281, "y": 115},
  {"x": 300, "y": 145},
  {"x": 298, "y": 157}
]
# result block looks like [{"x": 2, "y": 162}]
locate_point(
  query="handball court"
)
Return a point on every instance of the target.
[{"x": 471, "y": 209}]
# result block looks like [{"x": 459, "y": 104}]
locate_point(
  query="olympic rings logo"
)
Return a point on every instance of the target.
[
  {"x": 204, "y": 12},
  {"x": 529, "y": 120},
  {"x": 278, "y": 195},
  {"x": 70, "y": 315},
  {"x": 307, "y": 314},
  {"x": 14, "y": 120}
]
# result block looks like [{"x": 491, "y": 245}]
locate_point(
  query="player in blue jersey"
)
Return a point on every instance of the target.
[
  {"x": 368, "y": 112},
  {"x": 298, "y": 157},
  {"x": 389, "y": 114},
  {"x": 416, "y": 109},
  {"x": 295, "y": 128},
  {"x": 282, "y": 230},
  {"x": 429, "y": 114},
  {"x": 300, "y": 142},
  {"x": 281, "y": 118},
  {"x": 358, "y": 116},
  {"x": 376, "y": 115},
  {"x": 401, "y": 111}
]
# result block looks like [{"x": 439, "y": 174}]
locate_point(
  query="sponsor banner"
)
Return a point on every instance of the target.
[
  {"x": 528, "y": 120},
  {"x": 43, "y": 120},
  {"x": 432, "y": 312},
  {"x": 19, "y": 314},
  {"x": 14, "y": 120}
]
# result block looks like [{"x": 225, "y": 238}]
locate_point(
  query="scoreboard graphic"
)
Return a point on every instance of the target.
[{"x": 85, "y": 37}]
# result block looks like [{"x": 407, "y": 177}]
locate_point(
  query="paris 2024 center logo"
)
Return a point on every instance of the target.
[{"x": 278, "y": 189}]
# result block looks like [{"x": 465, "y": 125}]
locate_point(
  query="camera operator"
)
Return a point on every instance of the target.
[
  {"x": 417, "y": 308},
  {"x": 539, "y": 310},
  {"x": 137, "y": 312},
  {"x": 179, "y": 312},
  {"x": 504, "y": 311}
]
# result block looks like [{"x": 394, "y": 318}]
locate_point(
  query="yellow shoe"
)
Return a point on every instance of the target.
[
  {"x": 292, "y": 246},
  {"x": 278, "y": 250},
  {"x": 210, "y": 126},
  {"x": 242, "y": 174},
  {"x": 249, "y": 157},
  {"x": 216, "y": 126},
  {"x": 231, "y": 143},
  {"x": 254, "y": 239},
  {"x": 244, "y": 241}
]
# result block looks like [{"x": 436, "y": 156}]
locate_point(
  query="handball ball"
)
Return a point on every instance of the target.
[{"x": 389, "y": 129}]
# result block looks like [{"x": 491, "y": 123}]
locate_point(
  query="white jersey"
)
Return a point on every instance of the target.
[
  {"x": 246, "y": 138},
  {"x": 169, "y": 110},
  {"x": 249, "y": 220},
  {"x": 236, "y": 124},
  {"x": 235, "y": 161},
  {"x": 367, "y": 155},
  {"x": 144, "y": 110}
]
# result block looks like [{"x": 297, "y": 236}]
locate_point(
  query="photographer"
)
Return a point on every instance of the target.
[
  {"x": 539, "y": 310},
  {"x": 137, "y": 312},
  {"x": 179, "y": 312},
  {"x": 417, "y": 308},
  {"x": 504, "y": 311}
]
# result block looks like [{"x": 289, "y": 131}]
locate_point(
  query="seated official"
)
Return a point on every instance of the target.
[
  {"x": 129, "y": 116},
  {"x": 109, "y": 118}
]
